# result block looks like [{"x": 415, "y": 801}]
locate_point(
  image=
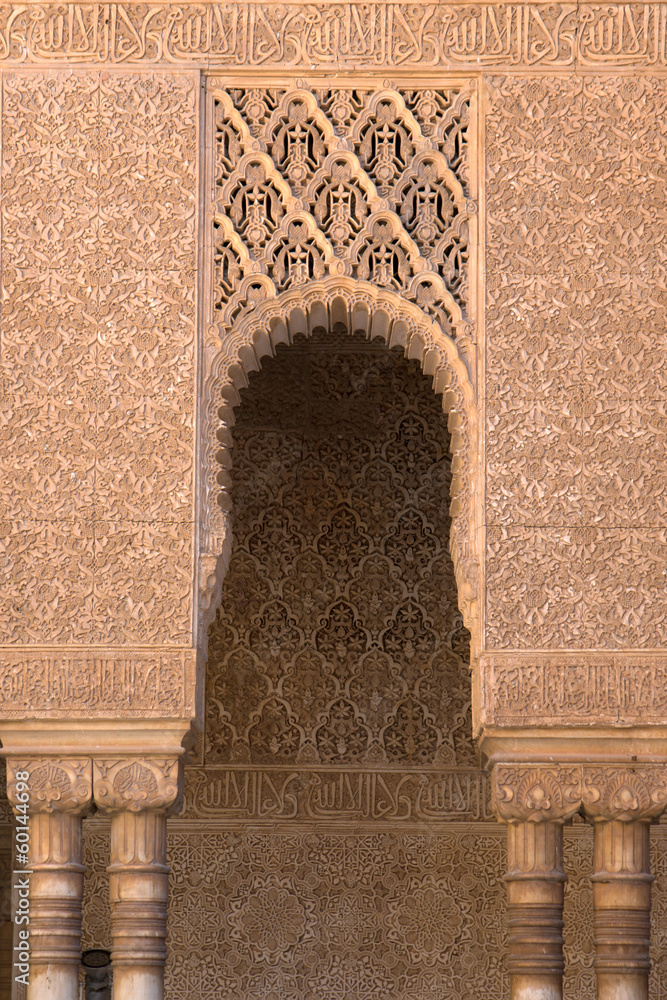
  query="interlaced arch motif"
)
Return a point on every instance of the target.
[
  {"x": 341, "y": 157},
  {"x": 342, "y": 196},
  {"x": 298, "y": 140},
  {"x": 385, "y": 140},
  {"x": 345, "y": 207}
]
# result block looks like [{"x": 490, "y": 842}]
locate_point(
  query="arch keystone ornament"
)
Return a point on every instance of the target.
[
  {"x": 55, "y": 793},
  {"x": 138, "y": 793}
]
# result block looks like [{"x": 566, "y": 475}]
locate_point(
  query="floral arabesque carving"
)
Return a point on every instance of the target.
[
  {"x": 574, "y": 395},
  {"x": 54, "y": 784},
  {"x": 626, "y": 794},
  {"x": 97, "y": 375},
  {"x": 536, "y": 792},
  {"x": 137, "y": 785}
]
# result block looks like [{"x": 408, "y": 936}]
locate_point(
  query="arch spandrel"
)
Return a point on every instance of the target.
[{"x": 377, "y": 313}]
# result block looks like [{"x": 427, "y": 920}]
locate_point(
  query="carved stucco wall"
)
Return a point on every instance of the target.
[
  {"x": 99, "y": 223},
  {"x": 317, "y": 855},
  {"x": 575, "y": 384},
  {"x": 98, "y": 342},
  {"x": 332, "y": 894}
]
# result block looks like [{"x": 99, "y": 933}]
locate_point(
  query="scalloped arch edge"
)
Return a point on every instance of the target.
[{"x": 376, "y": 313}]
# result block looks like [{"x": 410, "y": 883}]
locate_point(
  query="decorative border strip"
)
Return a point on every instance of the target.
[
  {"x": 576, "y": 689},
  {"x": 331, "y": 796},
  {"x": 97, "y": 683},
  {"x": 381, "y": 36}
]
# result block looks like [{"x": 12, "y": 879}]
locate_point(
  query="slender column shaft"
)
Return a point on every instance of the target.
[
  {"x": 138, "y": 793},
  {"x": 622, "y": 909},
  {"x": 49, "y": 797},
  {"x": 55, "y": 898},
  {"x": 535, "y": 800},
  {"x": 535, "y": 880},
  {"x": 138, "y": 887}
]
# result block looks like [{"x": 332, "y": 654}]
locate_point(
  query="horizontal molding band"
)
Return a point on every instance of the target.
[{"x": 375, "y": 36}]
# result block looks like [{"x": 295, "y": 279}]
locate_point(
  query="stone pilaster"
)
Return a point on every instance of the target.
[
  {"x": 138, "y": 793},
  {"x": 535, "y": 802},
  {"x": 621, "y": 803},
  {"x": 52, "y": 795}
]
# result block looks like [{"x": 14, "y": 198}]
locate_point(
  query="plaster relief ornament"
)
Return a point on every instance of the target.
[
  {"x": 368, "y": 225},
  {"x": 54, "y": 785},
  {"x": 137, "y": 785}
]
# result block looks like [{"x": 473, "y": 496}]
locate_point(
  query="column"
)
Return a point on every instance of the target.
[
  {"x": 535, "y": 802},
  {"x": 621, "y": 802},
  {"x": 138, "y": 794},
  {"x": 52, "y": 796}
]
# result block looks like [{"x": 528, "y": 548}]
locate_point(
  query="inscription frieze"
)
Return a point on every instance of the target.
[
  {"x": 61, "y": 683},
  {"x": 575, "y": 689},
  {"x": 332, "y": 795},
  {"x": 345, "y": 35}
]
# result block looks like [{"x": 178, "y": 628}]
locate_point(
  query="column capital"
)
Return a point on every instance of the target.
[
  {"x": 535, "y": 792},
  {"x": 627, "y": 794},
  {"x": 137, "y": 784},
  {"x": 53, "y": 784}
]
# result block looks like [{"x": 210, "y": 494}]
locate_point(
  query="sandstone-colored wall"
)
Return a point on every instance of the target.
[
  {"x": 576, "y": 503},
  {"x": 99, "y": 203}
]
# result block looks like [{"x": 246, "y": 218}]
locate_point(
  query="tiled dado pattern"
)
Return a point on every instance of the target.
[
  {"x": 335, "y": 914},
  {"x": 97, "y": 366},
  {"x": 576, "y": 424}
]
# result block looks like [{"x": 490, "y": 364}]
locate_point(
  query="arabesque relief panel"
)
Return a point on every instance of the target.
[
  {"x": 99, "y": 224},
  {"x": 575, "y": 473},
  {"x": 296, "y": 911}
]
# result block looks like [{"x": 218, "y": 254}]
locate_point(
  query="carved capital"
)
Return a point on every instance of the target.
[
  {"x": 62, "y": 785},
  {"x": 535, "y": 793},
  {"x": 625, "y": 793},
  {"x": 137, "y": 784}
]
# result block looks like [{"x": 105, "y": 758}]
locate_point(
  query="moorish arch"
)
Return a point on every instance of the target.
[
  {"x": 373, "y": 312},
  {"x": 338, "y": 691}
]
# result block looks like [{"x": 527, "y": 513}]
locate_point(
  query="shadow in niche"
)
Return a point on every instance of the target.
[
  {"x": 338, "y": 640},
  {"x": 335, "y": 843}
]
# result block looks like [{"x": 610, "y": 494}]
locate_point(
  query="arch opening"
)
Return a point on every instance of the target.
[
  {"x": 338, "y": 720},
  {"x": 338, "y": 639},
  {"x": 368, "y": 312}
]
